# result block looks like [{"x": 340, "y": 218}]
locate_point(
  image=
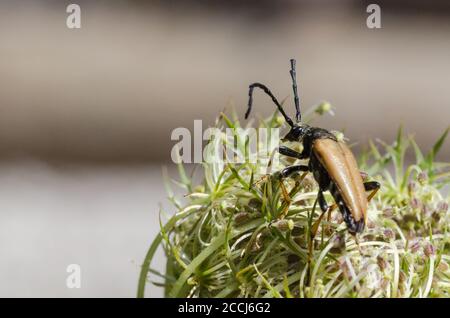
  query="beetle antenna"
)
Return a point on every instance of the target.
[
  {"x": 268, "y": 92},
  {"x": 293, "y": 73}
]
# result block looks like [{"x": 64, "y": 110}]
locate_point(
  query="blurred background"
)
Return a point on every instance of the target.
[{"x": 86, "y": 114}]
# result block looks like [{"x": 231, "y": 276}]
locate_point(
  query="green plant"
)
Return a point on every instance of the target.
[{"x": 229, "y": 238}]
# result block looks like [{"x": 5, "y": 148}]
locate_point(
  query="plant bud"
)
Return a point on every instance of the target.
[
  {"x": 384, "y": 283},
  {"x": 279, "y": 120},
  {"x": 254, "y": 203},
  {"x": 442, "y": 207},
  {"x": 297, "y": 231},
  {"x": 436, "y": 216},
  {"x": 443, "y": 266},
  {"x": 411, "y": 234},
  {"x": 388, "y": 212},
  {"x": 371, "y": 224},
  {"x": 344, "y": 268},
  {"x": 339, "y": 136},
  {"x": 422, "y": 178},
  {"x": 412, "y": 187},
  {"x": 199, "y": 188},
  {"x": 284, "y": 225},
  {"x": 192, "y": 281},
  {"x": 414, "y": 247},
  {"x": 402, "y": 277},
  {"x": 338, "y": 243},
  {"x": 426, "y": 211},
  {"x": 389, "y": 234},
  {"x": 323, "y": 108},
  {"x": 415, "y": 203},
  {"x": 382, "y": 263},
  {"x": 241, "y": 217},
  {"x": 429, "y": 249}
]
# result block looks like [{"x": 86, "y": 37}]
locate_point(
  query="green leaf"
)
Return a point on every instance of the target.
[
  {"x": 436, "y": 147},
  {"x": 216, "y": 243},
  {"x": 417, "y": 151},
  {"x": 275, "y": 292},
  {"x": 154, "y": 246}
]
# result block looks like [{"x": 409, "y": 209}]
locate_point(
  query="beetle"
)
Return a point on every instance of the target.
[{"x": 331, "y": 162}]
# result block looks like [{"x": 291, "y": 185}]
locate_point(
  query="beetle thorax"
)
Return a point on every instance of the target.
[{"x": 297, "y": 132}]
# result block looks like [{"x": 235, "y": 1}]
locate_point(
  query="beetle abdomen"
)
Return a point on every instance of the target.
[{"x": 339, "y": 162}]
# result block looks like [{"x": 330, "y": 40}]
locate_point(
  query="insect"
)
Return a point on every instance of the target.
[{"x": 331, "y": 162}]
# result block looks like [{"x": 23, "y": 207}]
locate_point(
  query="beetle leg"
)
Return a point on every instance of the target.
[
  {"x": 289, "y": 171},
  {"x": 285, "y": 193},
  {"x": 286, "y": 173},
  {"x": 257, "y": 182},
  {"x": 324, "y": 207},
  {"x": 373, "y": 186},
  {"x": 328, "y": 209},
  {"x": 289, "y": 152},
  {"x": 334, "y": 206},
  {"x": 299, "y": 180},
  {"x": 322, "y": 202}
]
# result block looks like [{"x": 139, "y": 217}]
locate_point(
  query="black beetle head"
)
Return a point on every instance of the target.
[{"x": 296, "y": 133}]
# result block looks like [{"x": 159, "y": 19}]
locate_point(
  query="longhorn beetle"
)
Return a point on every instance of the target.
[{"x": 331, "y": 162}]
